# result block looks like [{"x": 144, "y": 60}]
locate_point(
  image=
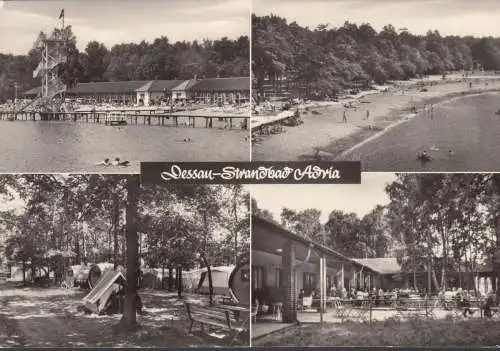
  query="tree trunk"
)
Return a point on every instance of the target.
[
  {"x": 24, "y": 272},
  {"x": 210, "y": 283},
  {"x": 129, "y": 320},
  {"x": 170, "y": 278},
  {"x": 235, "y": 211},
  {"x": 162, "y": 276},
  {"x": 496, "y": 270},
  {"x": 116, "y": 219},
  {"x": 178, "y": 277}
]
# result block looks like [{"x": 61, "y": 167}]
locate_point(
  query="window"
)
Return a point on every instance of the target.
[
  {"x": 257, "y": 277},
  {"x": 278, "y": 282},
  {"x": 245, "y": 275},
  {"x": 309, "y": 283}
]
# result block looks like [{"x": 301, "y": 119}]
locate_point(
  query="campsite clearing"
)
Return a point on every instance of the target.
[{"x": 49, "y": 317}]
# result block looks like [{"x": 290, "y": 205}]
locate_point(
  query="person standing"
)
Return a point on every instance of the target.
[{"x": 344, "y": 117}]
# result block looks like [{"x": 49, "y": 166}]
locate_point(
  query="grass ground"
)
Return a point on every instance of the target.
[
  {"x": 416, "y": 332},
  {"x": 49, "y": 317}
]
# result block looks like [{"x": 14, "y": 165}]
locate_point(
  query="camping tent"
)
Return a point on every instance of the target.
[
  {"x": 239, "y": 284},
  {"x": 110, "y": 282},
  {"x": 220, "y": 280}
]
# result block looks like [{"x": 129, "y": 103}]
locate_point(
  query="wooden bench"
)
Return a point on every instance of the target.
[
  {"x": 205, "y": 315},
  {"x": 219, "y": 316}
]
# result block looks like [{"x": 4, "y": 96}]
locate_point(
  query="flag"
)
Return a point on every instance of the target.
[{"x": 62, "y": 14}]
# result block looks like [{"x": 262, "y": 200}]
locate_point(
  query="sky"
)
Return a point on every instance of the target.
[
  {"x": 357, "y": 198},
  {"x": 449, "y": 17},
  {"x": 117, "y": 21}
]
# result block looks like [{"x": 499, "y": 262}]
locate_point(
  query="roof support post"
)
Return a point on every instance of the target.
[
  {"x": 322, "y": 291},
  {"x": 288, "y": 259}
]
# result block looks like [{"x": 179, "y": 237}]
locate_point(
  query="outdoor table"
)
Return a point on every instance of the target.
[
  {"x": 277, "y": 306},
  {"x": 354, "y": 308}
]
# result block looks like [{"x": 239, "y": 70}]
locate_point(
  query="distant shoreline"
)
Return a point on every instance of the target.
[
  {"x": 353, "y": 141},
  {"x": 326, "y": 136}
]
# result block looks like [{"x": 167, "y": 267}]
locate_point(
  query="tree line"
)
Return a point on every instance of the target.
[
  {"x": 445, "y": 222},
  {"x": 160, "y": 59},
  {"x": 84, "y": 218},
  {"x": 323, "y": 61}
]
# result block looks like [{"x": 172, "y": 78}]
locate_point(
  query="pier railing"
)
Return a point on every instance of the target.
[{"x": 147, "y": 119}]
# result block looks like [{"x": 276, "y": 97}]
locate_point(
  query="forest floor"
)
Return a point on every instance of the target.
[
  {"x": 324, "y": 130},
  {"x": 417, "y": 332},
  {"x": 49, "y": 317}
]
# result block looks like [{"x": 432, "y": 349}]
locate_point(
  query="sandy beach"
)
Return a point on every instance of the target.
[{"x": 325, "y": 132}]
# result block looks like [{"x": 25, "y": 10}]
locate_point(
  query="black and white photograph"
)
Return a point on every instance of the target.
[
  {"x": 98, "y": 86},
  {"x": 103, "y": 261},
  {"x": 399, "y": 85},
  {"x": 400, "y": 260}
]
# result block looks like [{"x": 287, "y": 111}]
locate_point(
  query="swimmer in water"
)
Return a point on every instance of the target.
[
  {"x": 104, "y": 163},
  {"x": 424, "y": 156},
  {"x": 117, "y": 162},
  {"x": 450, "y": 152}
]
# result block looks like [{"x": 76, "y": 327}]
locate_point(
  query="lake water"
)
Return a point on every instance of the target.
[
  {"x": 68, "y": 147},
  {"x": 466, "y": 125}
]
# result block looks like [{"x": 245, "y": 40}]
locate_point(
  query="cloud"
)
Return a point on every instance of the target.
[{"x": 113, "y": 22}]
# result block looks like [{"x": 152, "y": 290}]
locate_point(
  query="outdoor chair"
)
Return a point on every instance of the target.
[
  {"x": 307, "y": 303},
  {"x": 255, "y": 311}
]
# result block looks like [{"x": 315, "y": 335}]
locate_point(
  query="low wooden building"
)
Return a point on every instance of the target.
[
  {"x": 284, "y": 263},
  {"x": 156, "y": 90},
  {"x": 210, "y": 91},
  {"x": 111, "y": 92},
  {"x": 233, "y": 90}
]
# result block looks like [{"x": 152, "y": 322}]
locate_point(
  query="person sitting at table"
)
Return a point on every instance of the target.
[
  {"x": 490, "y": 302},
  {"x": 465, "y": 304},
  {"x": 301, "y": 299},
  {"x": 344, "y": 293}
]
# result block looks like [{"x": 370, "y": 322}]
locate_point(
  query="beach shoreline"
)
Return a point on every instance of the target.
[
  {"x": 406, "y": 117},
  {"x": 334, "y": 139}
]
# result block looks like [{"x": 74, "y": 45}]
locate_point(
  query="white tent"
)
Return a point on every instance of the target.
[{"x": 220, "y": 280}]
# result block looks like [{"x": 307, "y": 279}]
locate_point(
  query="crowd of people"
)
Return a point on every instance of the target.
[{"x": 454, "y": 298}]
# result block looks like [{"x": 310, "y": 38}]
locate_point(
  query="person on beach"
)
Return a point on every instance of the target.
[
  {"x": 367, "y": 114},
  {"x": 344, "y": 117}
]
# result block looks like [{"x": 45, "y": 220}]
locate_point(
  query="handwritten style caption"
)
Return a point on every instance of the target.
[{"x": 251, "y": 173}]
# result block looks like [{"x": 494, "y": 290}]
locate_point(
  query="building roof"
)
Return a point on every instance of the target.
[
  {"x": 164, "y": 85},
  {"x": 279, "y": 229},
  {"x": 185, "y": 85},
  {"x": 33, "y": 91},
  {"x": 388, "y": 265},
  {"x": 124, "y": 87},
  {"x": 107, "y": 87},
  {"x": 222, "y": 84},
  {"x": 145, "y": 87}
]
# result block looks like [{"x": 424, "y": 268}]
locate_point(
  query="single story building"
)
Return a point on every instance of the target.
[
  {"x": 156, "y": 90},
  {"x": 221, "y": 90},
  {"x": 284, "y": 263},
  {"x": 211, "y": 91},
  {"x": 181, "y": 92},
  {"x": 119, "y": 92}
]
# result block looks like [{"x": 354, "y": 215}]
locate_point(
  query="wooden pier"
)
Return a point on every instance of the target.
[{"x": 135, "y": 118}]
